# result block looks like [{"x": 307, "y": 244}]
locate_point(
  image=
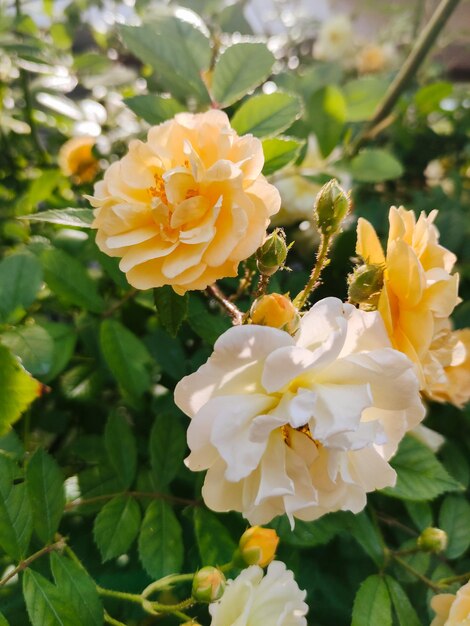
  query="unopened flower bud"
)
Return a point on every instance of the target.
[
  {"x": 272, "y": 254},
  {"x": 275, "y": 310},
  {"x": 258, "y": 546},
  {"x": 331, "y": 207},
  {"x": 433, "y": 540},
  {"x": 208, "y": 584},
  {"x": 365, "y": 285}
]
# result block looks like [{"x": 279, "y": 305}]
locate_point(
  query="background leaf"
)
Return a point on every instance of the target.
[
  {"x": 121, "y": 448},
  {"x": 375, "y": 165},
  {"x": 78, "y": 217},
  {"x": 34, "y": 346},
  {"x": 167, "y": 448},
  {"x": 161, "y": 547},
  {"x": 154, "y": 109},
  {"x": 45, "y": 603},
  {"x": 116, "y": 526},
  {"x": 267, "y": 114},
  {"x": 327, "y": 115},
  {"x": 15, "y": 512},
  {"x": 214, "y": 541},
  {"x": 20, "y": 281},
  {"x": 372, "y": 605},
  {"x": 454, "y": 518},
  {"x": 279, "y": 152},
  {"x": 17, "y": 389},
  {"x": 172, "y": 309}
]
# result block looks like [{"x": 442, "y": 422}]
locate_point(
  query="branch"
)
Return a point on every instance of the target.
[
  {"x": 417, "y": 55},
  {"x": 214, "y": 292},
  {"x": 153, "y": 495},
  {"x": 59, "y": 545}
]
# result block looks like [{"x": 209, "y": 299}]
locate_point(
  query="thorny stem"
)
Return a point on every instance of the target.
[
  {"x": 111, "y": 620},
  {"x": 58, "y": 545},
  {"x": 120, "y": 595},
  {"x": 427, "y": 581},
  {"x": 408, "y": 70},
  {"x": 314, "y": 280},
  {"x": 136, "y": 494},
  {"x": 214, "y": 292},
  {"x": 165, "y": 583},
  {"x": 262, "y": 285}
]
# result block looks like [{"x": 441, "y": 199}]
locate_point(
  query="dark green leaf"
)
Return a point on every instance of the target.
[
  {"x": 420, "y": 513},
  {"x": 64, "y": 337},
  {"x": 454, "y": 518},
  {"x": 167, "y": 448},
  {"x": 311, "y": 534},
  {"x": 15, "y": 511},
  {"x": 161, "y": 548},
  {"x": 362, "y": 96},
  {"x": 327, "y": 116},
  {"x": 214, "y": 542},
  {"x": 372, "y": 605},
  {"x": 154, "y": 109},
  {"x": 420, "y": 476},
  {"x": 368, "y": 537},
  {"x": 121, "y": 448},
  {"x": 267, "y": 114},
  {"x": 45, "y": 485},
  {"x": 3, "y": 620},
  {"x": 78, "y": 589},
  {"x": 69, "y": 280},
  {"x": 168, "y": 352},
  {"x": 172, "y": 309},
  {"x": 20, "y": 280},
  {"x": 239, "y": 69},
  {"x": 46, "y": 605},
  {"x": 17, "y": 389},
  {"x": 279, "y": 152},
  {"x": 176, "y": 50},
  {"x": 116, "y": 526},
  {"x": 209, "y": 327},
  {"x": 78, "y": 217},
  {"x": 126, "y": 356},
  {"x": 375, "y": 165},
  {"x": 404, "y": 611},
  {"x": 34, "y": 346},
  {"x": 429, "y": 97}
]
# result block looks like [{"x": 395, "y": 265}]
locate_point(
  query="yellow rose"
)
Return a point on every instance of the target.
[
  {"x": 452, "y": 610},
  {"x": 258, "y": 546},
  {"x": 186, "y": 206},
  {"x": 371, "y": 59},
  {"x": 419, "y": 294},
  {"x": 77, "y": 160},
  {"x": 275, "y": 310}
]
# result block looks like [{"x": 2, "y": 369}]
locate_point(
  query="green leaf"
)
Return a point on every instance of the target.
[
  {"x": 375, "y": 165},
  {"x": 172, "y": 309},
  {"x": 116, "y": 526},
  {"x": 279, "y": 152},
  {"x": 161, "y": 548},
  {"x": 311, "y": 534},
  {"x": 15, "y": 512},
  {"x": 33, "y": 345},
  {"x": 78, "y": 217},
  {"x": 327, "y": 116},
  {"x": 362, "y": 96},
  {"x": 420, "y": 476},
  {"x": 368, "y": 537},
  {"x": 3, "y": 620},
  {"x": 45, "y": 485},
  {"x": 454, "y": 518},
  {"x": 69, "y": 280},
  {"x": 121, "y": 448},
  {"x": 214, "y": 542},
  {"x": 20, "y": 280},
  {"x": 239, "y": 69},
  {"x": 267, "y": 114},
  {"x": 206, "y": 325},
  {"x": 372, "y": 605},
  {"x": 168, "y": 352},
  {"x": 126, "y": 356},
  {"x": 46, "y": 605},
  {"x": 176, "y": 50},
  {"x": 420, "y": 513},
  {"x": 429, "y": 97},
  {"x": 154, "y": 109},
  {"x": 78, "y": 589},
  {"x": 167, "y": 448},
  {"x": 404, "y": 611},
  {"x": 17, "y": 389},
  {"x": 64, "y": 338}
]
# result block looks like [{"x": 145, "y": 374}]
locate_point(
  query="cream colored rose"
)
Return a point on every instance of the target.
[
  {"x": 335, "y": 39},
  {"x": 452, "y": 610},
  {"x": 256, "y": 600},
  {"x": 185, "y": 207},
  {"x": 77, "y": 160},
  {"x": 301, "y": 425},
  {"x": 418, "y": 296}
]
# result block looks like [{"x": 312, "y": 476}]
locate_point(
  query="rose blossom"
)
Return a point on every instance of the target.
[
  {"x": 418, "y": 296},
  {"x": 452, "y": 609},
  {"x": 254, "y": 600},
  {"x": 186, "y": 206},
  {"x": 300, "y": 425}
]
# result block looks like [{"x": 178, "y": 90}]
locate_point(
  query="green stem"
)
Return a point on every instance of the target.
[
  {"x": 120, "y": 595},
  {"x": 59, "y": 545},
  {"x": 314, "y": 280},
  {"x": 453, "y": 579},
  {"x": 427, "y": 581},
  {"x": 111, "y": 620},
  {"x": 166, "y": 582},
  {"x": 153, "y": 495},
  {"x": 408, "y": 70}
]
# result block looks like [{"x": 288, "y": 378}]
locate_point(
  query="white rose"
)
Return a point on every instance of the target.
[
  {"x": 254, "y": 600},
  {"x": 300, "y": 425}
]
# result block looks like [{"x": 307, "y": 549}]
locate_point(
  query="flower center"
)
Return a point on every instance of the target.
[
  {"x": 305, "y": 430},
  {"x": 158, "y": 191}
]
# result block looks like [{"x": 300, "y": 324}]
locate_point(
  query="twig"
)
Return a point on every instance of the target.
[
  {"x": 417, "y": 55},
  {"x": 110, "y": 620},
  {"x": 427, "y": 581},
  {"x": 262, "y": 285},
  {"x": 153, "y": 495},
  {"x": 314, "y": 280},
  {"x": 117, "y": 305},
  {"x": 59, "y": 545},
  {"x": 214, "y": 292}
]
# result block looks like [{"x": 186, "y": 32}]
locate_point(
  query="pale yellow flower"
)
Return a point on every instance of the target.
[
  {"x": 452, "y": 609},
  {"x": 77, "y": 160},
  {"x": 374, "y": 58},
  {"x": 335, "y": 39},
  {"x": 418, "y": 296},
  {"x": 186, "y": 206},
  {"x": 258, "y": 545},
  {"x": 275, "y": 310}
]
